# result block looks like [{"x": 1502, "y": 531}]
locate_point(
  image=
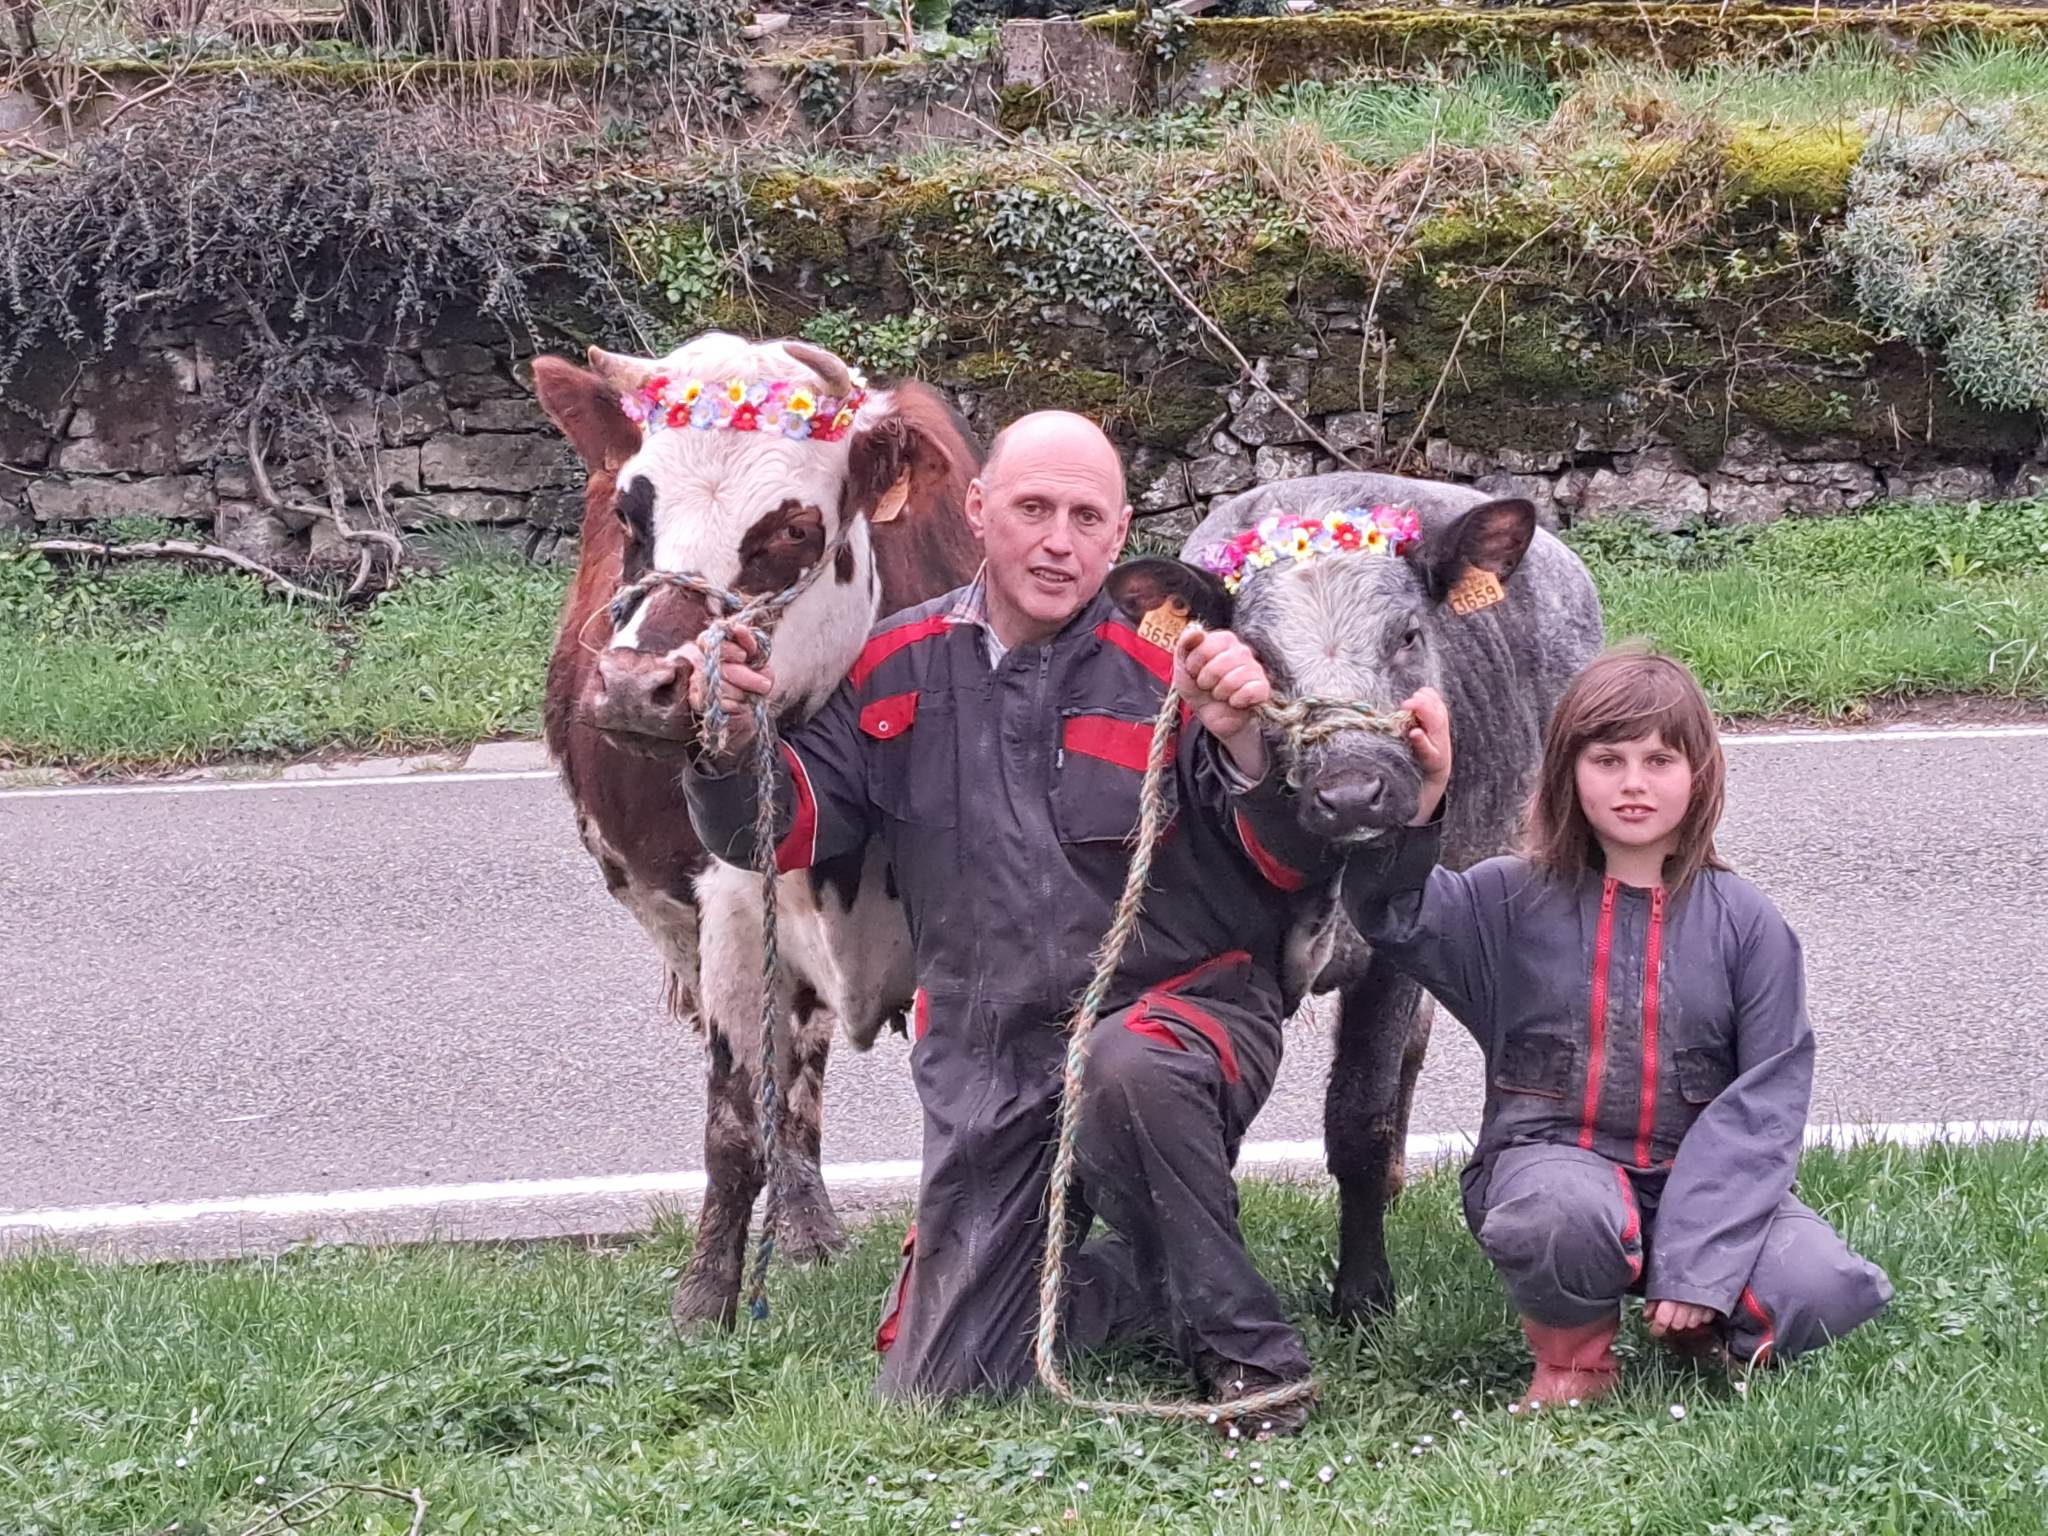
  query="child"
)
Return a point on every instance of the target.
[{"x": 1642, "y": 1010}]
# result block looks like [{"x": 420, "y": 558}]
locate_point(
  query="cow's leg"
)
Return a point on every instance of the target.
[
  {"x": 730, "y": 1006},
  {"x": 1365, "y": 1115},
  {"x": 806, "y": 1228},
  {"x": 709, "y": 1290}
]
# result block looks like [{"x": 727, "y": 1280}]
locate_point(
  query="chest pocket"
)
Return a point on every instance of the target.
[
  {"x": 1703, "y": 1072},
  {"x": 1542, "y": 1059},
  {"x": 912, "y": 750},
  {"x": 1100, "y": 769}
]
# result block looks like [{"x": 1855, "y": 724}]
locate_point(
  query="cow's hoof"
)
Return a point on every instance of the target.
[
  {"x": 809, "y": 1234},
  {"x": 703, "y": 1303},
  {"x": 1363, "y": 1304}
]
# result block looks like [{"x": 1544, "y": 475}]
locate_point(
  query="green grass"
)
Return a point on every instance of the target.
[
  {"x": 154, "y": 665},
  {"x": 160, "y": 665},
  {"x": 1820, "y": 617},
  {"x": 539, "y": 1390},
  {"x": 1384, "y": 122}
]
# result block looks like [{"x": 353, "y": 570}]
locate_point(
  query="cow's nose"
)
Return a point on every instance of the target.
[
  {"x": 640, "y": 693},
  {"x": 1351, "y": 800}
]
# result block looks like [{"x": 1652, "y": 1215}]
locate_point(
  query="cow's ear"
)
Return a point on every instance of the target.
[
  {"x": 1488, "y": 541},
  {"x": 1139, "y": 586},
  {"x": 586, "y": 409},
  {"x": 896, "y": 461}
]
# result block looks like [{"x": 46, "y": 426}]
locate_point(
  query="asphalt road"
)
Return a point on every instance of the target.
[{"x": 286, "y": 991}]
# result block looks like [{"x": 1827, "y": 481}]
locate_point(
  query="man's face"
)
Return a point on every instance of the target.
[{"x": 1051, "y": 518}]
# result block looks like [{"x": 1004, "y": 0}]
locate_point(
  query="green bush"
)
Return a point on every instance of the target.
[{"x": 1946, "y": 240}]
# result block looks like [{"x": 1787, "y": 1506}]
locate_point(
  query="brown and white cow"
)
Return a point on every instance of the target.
[{"x": 749, "y": 510}]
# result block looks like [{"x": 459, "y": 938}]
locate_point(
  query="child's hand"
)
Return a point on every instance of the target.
[
  {"x": 1668, "y": 1317},
  {"x": 1430, "y": 740}
]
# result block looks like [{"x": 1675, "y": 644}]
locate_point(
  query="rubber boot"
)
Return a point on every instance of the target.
[{"x": 1573, "y": 1365}]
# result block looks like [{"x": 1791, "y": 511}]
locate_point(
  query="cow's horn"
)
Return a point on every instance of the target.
[
  {"x": 623, "y": 373},
  {"x": 831, "y": 372}
]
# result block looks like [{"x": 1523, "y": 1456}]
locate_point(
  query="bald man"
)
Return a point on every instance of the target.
[{"x": 994, "y": 740}]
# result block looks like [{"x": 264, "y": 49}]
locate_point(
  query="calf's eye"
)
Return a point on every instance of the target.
[
  {"x": 1411, "y": 638},
  {"x": 795, "y": 534}
]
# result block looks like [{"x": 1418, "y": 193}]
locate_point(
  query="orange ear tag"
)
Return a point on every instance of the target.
[
  {"x": 890, "y": 507},
  {"x": 1476, "y": 589},
  {"x": 1162, "y": 625}
]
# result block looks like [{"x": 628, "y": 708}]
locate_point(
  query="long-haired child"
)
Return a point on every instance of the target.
[{"x": 1649, "y": 1063}]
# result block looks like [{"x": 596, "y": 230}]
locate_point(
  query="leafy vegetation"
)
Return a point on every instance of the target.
[{"x": 540, "y": 1389}]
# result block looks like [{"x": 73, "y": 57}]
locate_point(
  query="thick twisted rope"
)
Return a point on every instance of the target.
[
  {"x": 1302, "y": 724},
  {"x": 757, "y": 616}
]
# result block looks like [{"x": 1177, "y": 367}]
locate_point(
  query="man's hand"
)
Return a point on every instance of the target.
[
  {"x": 1429, "y": 739},
  {"x": 742, "y": 678},
  {"x": 1669, "y": 1317},
  {"x": 1224, "y": 683}
]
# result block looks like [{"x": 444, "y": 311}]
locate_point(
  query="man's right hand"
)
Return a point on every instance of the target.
[
  {"x": 743, "y": 677},
  {"x": 1430, "y": 740}
]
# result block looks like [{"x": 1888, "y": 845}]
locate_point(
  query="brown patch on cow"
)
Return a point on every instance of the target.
[
  {"x": 929, "y": 548},
  {"x": 780, "y": 547},
  {"x": 587, "y": 410}
]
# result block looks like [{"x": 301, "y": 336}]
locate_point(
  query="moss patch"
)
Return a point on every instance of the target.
[{"x": 1801, "y": 172}]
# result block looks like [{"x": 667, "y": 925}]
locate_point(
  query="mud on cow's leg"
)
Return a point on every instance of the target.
[
  {"x": 806, "y": 1228},
  {"x": 709, "y": 1291},
  {"x": 1365, "y": 1120}
]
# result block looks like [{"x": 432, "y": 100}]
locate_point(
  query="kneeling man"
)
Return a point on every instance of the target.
[{"x": 994, "y": 739}]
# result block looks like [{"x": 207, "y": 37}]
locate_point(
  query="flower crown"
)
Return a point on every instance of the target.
[
  {"x": 793, "y": 410},
  {"x": 1290, "y": 536}
]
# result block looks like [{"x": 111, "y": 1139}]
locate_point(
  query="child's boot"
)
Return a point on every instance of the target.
[{"x": 1574, "y": 1364}]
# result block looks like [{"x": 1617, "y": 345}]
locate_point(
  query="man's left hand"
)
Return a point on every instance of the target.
[{"x": 1224, "y": 683}]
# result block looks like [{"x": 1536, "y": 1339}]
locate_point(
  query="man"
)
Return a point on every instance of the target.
[{"x": 995, "y": 740}]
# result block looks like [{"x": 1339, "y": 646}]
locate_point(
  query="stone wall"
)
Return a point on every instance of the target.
[
  {"x": 1609, "y": 464},
  {"x": 452, "y": 436}
]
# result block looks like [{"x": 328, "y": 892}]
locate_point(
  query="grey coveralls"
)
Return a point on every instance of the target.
[
  {"x": 1006, "y": 797},
  {"x": 1649, "y": 1066}
]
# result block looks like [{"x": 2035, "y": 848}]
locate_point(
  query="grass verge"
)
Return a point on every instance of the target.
[
  {"x": 539, "y": 1390},
  {"x": 155, "y": 666}
]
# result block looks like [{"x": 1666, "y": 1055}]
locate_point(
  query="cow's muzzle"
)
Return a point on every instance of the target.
[
  {"x": 1357, "y": 794},
  {"x": 641, "y": 695}
]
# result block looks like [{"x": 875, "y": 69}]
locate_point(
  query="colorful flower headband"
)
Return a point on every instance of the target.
[
  {"x": 794, "y": 410},
  {"x": 1288, "y": 536}
]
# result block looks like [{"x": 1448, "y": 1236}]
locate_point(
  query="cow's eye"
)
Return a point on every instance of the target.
[
  {"x": 1411, "y": 638},
  {"x": 795, "y": 533}
]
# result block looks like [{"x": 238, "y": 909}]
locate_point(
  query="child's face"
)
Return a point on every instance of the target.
[{"x": 1634, "y": 793}]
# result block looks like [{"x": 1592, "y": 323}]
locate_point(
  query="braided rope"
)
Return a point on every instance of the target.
[
  {"x": 758, "y": 617},
  {"x": 1302, "y": 723}
]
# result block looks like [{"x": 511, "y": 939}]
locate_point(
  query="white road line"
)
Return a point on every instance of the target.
[
  {"x": 434, "y": 778},
  {"x": 428, "y": 776},
  {"x": 900, "y": 1173},
  {"x": 1903, "y": 733}
]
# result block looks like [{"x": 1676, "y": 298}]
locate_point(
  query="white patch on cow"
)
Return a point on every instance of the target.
[
  {"x": 711, "y": 487},
  {"x": 856, "y": 958},
  {"x": 729, "y": 961}
]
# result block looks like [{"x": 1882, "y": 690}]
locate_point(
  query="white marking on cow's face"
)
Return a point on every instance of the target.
[
  {"x": 1342, "y": 627},
  {"x": 708, "y": 489}
]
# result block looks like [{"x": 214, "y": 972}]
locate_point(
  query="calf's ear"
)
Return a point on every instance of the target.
[
  {"x": 586, "y": 408},
  {"x": 1492, "y": 537},
  {"x": 1139, "y": 586}
]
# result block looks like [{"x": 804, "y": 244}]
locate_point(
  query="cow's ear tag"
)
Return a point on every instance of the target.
[
  {"x": 890, "y": 507},
  {"x": 1162, "y": 625},
  {"x": 1478, "y": 588}
]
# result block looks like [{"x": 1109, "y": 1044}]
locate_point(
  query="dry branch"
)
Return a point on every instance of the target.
[
  {"x": 181, "y": 549},
  {"x": 279, "y": 1518}
]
